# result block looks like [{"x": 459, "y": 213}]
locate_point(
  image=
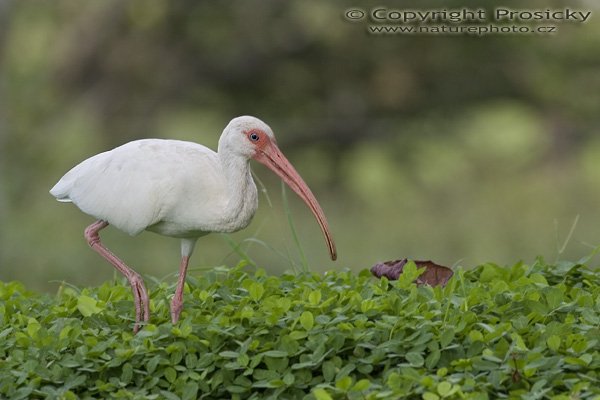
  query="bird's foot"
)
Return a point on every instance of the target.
[
  {"x": 141, "y": 300},
  {"x": 176, "y": 307}
]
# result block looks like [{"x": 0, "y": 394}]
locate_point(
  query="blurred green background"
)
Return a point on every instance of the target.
[{"x": 456, "y": 148}]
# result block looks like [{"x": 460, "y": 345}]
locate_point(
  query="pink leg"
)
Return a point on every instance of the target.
[
  {"x": 140, "y": 295},
  {"x": 177, "y": 302}
]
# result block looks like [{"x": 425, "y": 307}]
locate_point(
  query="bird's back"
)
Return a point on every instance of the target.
[{"x": 141, "y": 183}]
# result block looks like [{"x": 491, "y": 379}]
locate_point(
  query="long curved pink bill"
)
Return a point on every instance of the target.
[{"x": 273, "y": 158}]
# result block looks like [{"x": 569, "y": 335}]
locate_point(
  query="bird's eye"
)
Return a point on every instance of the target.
[{"x": 254, "y": 136}]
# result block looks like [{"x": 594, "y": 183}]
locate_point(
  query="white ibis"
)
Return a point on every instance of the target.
[{"x": 178, "y": 189}]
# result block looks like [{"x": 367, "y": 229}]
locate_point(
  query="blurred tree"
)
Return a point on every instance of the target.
[{"x": 432, "y": 130}]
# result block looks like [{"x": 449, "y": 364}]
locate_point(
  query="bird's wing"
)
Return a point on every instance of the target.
[{"x": 135, "y": 185}]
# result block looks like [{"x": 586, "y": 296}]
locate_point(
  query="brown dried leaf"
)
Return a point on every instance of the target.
[{"x": 434, "y": 274}]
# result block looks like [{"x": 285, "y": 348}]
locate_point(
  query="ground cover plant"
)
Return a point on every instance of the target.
[{"x": 523, "y": 331}]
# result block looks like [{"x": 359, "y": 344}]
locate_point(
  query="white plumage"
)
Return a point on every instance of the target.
[
  {"x": 179, "y": 189},
  {"x": 173, "y": 187}
]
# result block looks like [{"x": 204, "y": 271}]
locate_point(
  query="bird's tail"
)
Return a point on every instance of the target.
[{"x": 61, "y": 191}]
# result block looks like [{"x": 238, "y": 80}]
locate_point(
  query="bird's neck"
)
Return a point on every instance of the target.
[
  {"x": 237, "y": 172},
  {"x": 242, "y": 194}
]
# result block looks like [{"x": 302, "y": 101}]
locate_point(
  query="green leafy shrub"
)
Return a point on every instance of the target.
[{"x": 527, "y": 331}]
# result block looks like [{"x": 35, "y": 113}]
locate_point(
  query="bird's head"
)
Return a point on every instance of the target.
[
  {"x": 246, "y": 136},
  {"x": 251, "y": 138}
]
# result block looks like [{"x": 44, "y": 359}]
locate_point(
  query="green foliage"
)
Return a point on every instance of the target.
[{"x": 527, "y": 331}]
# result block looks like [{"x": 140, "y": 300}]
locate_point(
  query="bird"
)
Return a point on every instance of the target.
[{"x": 179, "y": 189}]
